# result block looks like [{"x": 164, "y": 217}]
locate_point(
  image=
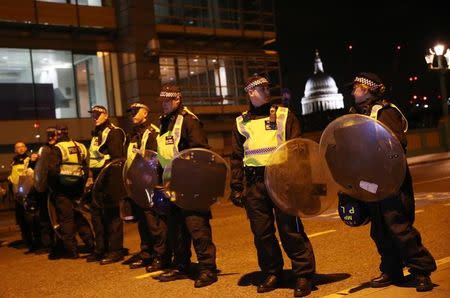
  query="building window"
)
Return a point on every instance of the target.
[
  {"x": 54, "y": 68},
  {"x": 49, "y": 84},
  {"x": 80, "y": 2},
  {"x": 215, "y": 80},
  {"x": 228, "y": 14}
]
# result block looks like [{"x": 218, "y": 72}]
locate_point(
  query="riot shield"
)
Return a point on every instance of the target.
[
  {"x": 196, "y": 179},
  {"x": 141, "y": 178},
  {"x": 52, "y": 215},
  {"x": 41, "y": 169},
  {"x": 108, "y": 187},
  {"x": 364, "y": 157},
  {"x": 78, "y": 207},
  {"x": 26, "y": 182},
  {"x": 297, "y": 179}
]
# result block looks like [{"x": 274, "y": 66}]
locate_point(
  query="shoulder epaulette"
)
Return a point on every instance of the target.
[{"x": 245, "y": 116}]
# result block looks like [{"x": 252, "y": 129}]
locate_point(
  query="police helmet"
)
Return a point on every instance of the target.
[{"x": 352, "y": 212}]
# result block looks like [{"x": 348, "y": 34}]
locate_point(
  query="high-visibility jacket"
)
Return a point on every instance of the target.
[
  {"x": 168, "y": 142},
  {"x": 132, "y": 149},
  {"x": 96, "y": 158},
  {"x": 262, "y": 136},
  {"x": 74, "y": 156}
]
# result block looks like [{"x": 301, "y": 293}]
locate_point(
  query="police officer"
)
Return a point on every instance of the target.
[
  {"x": 153, "y": 237},
  {"x": 22, "y": 161},
  {"x": 180, "y": 129},
  {"x": 256, "y": 134},
  {"x": 398, "y": 242},
  {"x": 39, "y": 196},
  {"x": 107, "y": 144},
  {"x": 67, "y": 174}
]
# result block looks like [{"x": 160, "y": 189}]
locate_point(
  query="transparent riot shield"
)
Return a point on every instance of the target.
[
  {"x": 26, "y": 182},
  {"x": 364, "y": 157},
  {"x": 41, "y": 169},
  {"x": 78, "y": 208},
  {"x": 196, "y": 179},
  {"x": 141, "y": 178},
  {"x": 108, "y": 187},
  {"x": 53, "y": 216},
  {"x": 297, "y": 179}
]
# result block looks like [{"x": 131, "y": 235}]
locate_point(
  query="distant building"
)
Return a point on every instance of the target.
[
  {"x": 321, "y": 92},
  {"x": 59, "y": 57}
]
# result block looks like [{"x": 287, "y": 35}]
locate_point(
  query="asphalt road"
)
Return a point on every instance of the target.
[{"x": 346, "y": 257}]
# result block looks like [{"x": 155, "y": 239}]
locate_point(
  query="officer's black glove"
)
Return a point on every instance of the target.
[{"x": 237, "y": 198}]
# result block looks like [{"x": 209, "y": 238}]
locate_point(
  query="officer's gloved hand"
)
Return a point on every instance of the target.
[{"x": 237, "y": 198}]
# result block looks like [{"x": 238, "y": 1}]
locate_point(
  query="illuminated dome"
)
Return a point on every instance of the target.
[{"x": 321, "y": 92}]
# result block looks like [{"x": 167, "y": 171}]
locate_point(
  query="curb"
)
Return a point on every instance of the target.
[{"x": 421, "y": 160}]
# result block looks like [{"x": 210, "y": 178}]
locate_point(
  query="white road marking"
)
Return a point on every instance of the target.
[
  {"x": 151, "y": 274},
  {"x": 432, "y": 180},
  {"x": 321, "y": 233}
]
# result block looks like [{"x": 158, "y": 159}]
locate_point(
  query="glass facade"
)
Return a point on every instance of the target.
[
  {"x": 50, "y": 84},
  {"x": 81, "y": 2},
  {"x": 227, "y": 14},
  {"x": 216, "y": 80}
]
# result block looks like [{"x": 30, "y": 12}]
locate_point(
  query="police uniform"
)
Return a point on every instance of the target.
[
  {"x": 398, "y": 242},
  {"x": 19, "y": 164},
  {"x": 180, "y": 130},
  {"x": 106, "y": 145},
  {"x": 153, "y": 237},
  {"x": 67, "y": 174},
  {"x": 255, "y": 136}
]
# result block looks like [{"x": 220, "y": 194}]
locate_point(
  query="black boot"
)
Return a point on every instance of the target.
[
  {"x": 269, "y": 284},
  {"x": 424, "y": 283},
  {"x": 112, "y": 257},
  {"x": 303, "y": 287},
  {"x": 385, "y": 280},
  {"x": 181, "y": 272},
  {"x": 205, "y": 278},
  {"x": 94, "y": 257},
  {"x": 157, "y": 265},
  {"x": 140, "y": 263}
]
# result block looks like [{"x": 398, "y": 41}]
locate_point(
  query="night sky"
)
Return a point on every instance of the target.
[{"x": 374, "y": 30}]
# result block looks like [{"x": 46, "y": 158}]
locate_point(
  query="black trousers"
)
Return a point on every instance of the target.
[
  {"x": 262, "y": 213},
  {"x": 185, "y": 225},
  {"x": 144, "y": 232},
  {"x": 45, "y": 226},
  {"x": 108, "y": 228},
  {"x": 398, "y": 242},
  {"x": 66, "y": 220}
]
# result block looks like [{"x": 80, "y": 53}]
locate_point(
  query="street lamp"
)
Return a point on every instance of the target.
[{"x": 440, "y": 62}]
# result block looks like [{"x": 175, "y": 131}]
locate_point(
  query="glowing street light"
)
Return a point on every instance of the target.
[{"x": 440, "y": 62}]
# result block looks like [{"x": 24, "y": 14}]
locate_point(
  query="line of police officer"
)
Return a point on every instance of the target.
[{"x": 166, "y": 238}]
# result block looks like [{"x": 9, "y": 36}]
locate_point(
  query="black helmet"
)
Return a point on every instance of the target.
[{"x": 352, "y": 212}]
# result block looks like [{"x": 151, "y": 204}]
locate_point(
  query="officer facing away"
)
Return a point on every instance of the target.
[
  {"x": 398, "y": 242},
  {"x": 107, "y": 144},
  {"x": 67, "y": 174},
  {"x": 256, "y": 134},
  {"x": 180, "y": 129}
]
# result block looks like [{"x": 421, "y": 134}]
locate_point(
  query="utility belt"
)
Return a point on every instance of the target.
[{"x": 254, "y": 174}]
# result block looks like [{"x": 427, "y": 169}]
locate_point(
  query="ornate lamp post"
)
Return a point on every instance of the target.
[{"x": 440, "y": 62}]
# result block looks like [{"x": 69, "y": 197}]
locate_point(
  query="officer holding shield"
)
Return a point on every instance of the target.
[
  {"x": 180, "y": 129},
  {"x": 255, "y": 136},
  {"x": 153, "y": 237},
  {"x": 398, "y": 242},
  {"x": 107, "y": 144},
  {"x": 20, "y": 164}
]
